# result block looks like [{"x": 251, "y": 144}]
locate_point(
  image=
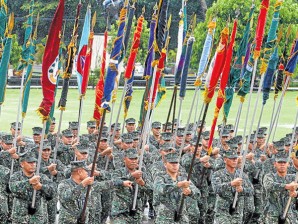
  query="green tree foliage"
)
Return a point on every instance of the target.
[
  {"x": 16, "y": 51},
  {"x": 225, "y": 9}
]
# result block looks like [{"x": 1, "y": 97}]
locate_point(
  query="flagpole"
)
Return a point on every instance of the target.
[
  {"x": 277, "y": 120},
  {"x": 238, "y": 117},
  {"x": 144, "y": 137},
  {"x": 273, "y": 110},
  {"x": 170, "y": 109},
  {"x": 80, "y": 117},
  {"x": 17, "y": 120},
  {"x": 57, "y": 136},
  {"x": 244, "y": 132},
  {"x": 196, "y": 106},
  {"x": 32, "y": 209}
]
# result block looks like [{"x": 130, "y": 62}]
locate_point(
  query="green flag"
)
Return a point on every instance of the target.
[
  {"x": 3, "y": 18},
  {"x": 5, "y": 60}
]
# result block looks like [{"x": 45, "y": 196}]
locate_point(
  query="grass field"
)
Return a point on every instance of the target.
[{"x": 9, "y": 108}]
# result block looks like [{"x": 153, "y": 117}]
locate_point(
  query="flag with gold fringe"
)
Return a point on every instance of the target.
[
  {"x": 3, "y": 18},
  {"x": 129, "y": 72},
  {"x": 5, "y": 59},
  {"x": 293, "y": 60},
  {"x": 112, "y": 72},
  {"x": 219, "y": 62},
  {"x": 223, "y": 82},
  {"x": 50, "y": 63},
  {"x": 100, "y": 84}
]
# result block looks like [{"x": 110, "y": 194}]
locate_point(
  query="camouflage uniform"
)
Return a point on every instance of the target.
[
  {"x": 22, "y": 192},
  {"x": 65, "y": 154},
  {"x": 4, "y": 179}
]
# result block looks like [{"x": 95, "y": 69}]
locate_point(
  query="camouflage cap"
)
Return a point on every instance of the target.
[
  {"x": 79, "y": 164},
  {"x": 252, "y": 137},
  {"x": 206, "y": 135},
  {"x": 53, "y": 120},
  {"x": 230, "y": 127},
  {"x": 73, "y": 125},
  {"x": 91, "y": 124},
  {"x": 105, "y": 129},
  {"x": 175, "y": 121},
  {"x": 287, "y": 141},
  {"x": 279, "y": 145},
  {"x": 28, "y": 156},
  {"x": 7, "y": 138},
  {"x": 167, "y": 136},
  {"x": 83, "y": 147},
  {"x": 200, "y": 123},
  {"x": 233, "y": 143},
  {"x": 156, "y": 124},
  {"x": 130, "y": 121},
  {"x": 46, "y": 144},
  {"x": 118, "y": 126},
  {"x": 194, "y": 141},
  {"x": 126, "y": 137},
  {"x": 239, "y": 139},
  {"x": 263, "y": 129},
  {"x": 281, "y": 157},
  {"x": 172, "y": 157},
  {"x": 261, "y": 133},
  {"x": 225, "y": 133},
  {"x": 166, "y": 147},
  {"x": 135, "y": 135},
  {"x": 104, "y": 136},
  {"x": 289, "y": 135},
  {"x": 231, "y": 154},
  {"x": 14, "y": 124},
  {"x": 67, "y": 133},
  {"x": 37, "y": 130},
  {"x": 169, "y": 125},
  {"x": 131, "y": 153},
  {"x": 180, "y": 132}
]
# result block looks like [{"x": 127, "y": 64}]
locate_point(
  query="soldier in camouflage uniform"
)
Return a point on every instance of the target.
[
  {"x": 118, "y": 153},
  {"x": 168, "y": 189},
  {"x": 130, "y": 125},
  {"x": 122, "y": 204},
  {"x": 8, "y": 152},
  {"x": 65, "y": 152},
  {"x": 74, "y": 126},
  {"x": 155, "y": 137},
  {"x": 22, "y": 184},
  {"x": 4, "y": 192},
  {"x": 225, "y": 183},
  {"x": 53, "y": 170},
  {"x": 279, "y": 186}
]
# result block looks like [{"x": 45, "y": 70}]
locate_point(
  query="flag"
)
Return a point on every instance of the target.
[
  {"x": 181, "y": 63},
  {"x": 28, "y": 75},
  {"x": 88, "y": 58},
  {"x": 185, "y": 67},
  {"x": 261, "y": 27},
  {"x": 271, "y": 39},
  {"x": 71, "y": 52},
  {"x": 218, "y": 65},
  {"x": 50, "y": 63},
  {"x": 223, "y": 82},
  {"x": 5, "y": 59},
  {"x": 114, "y": 60},
  {"x": 207, "y": 48},
  {"x": 237, "y": 67},
  {"x": 100, "y": 84},
  {"x": 293, "y": 60},
  {"x": 3, "y": 18},
  {"x": 162, "y": 90},
  {"x": 83, "y": 51},
  {"x": 128, "y": 94},
  {"x": 150, "y": 55},
  {"x": 162, "y": 24},
  {"x": 180, "y": 44}
]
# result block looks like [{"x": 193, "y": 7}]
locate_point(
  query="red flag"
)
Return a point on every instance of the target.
[
  {"x": 100, "y": 85},
  {"x": 50, "y": 63},
  {"x": 223, "y": 83},
  {"x": 218, "y": 65},
  {"x": 134, "y": 49},
  {"x": 261, "y": 27}
]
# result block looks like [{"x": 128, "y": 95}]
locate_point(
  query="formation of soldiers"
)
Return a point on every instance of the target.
[{"x": 30, "y": 194}]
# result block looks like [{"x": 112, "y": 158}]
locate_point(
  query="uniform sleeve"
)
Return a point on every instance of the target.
[
  {"x": 270, "y": 184},
  {"x": 19, "y": 188},
  {"x": 248, "y": 188},
  {"x": 218, "y": 186},
  {"x": 48, "y": 187},
  {"x": 67, "y": 193},
  {"x": 60, "y": 171},
  {"x": 195, "y": 192},
  {"x": 163, "y": 188}
]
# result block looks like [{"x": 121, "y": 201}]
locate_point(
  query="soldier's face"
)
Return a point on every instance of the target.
[
  {"x": 156, "y": 131},
  {"x": 52, "y": 127},
  {"x": 231, "y": 162},
  {"x": 135, "y": 143},
  {"x": 205, "y": 142},
  {"x": 28, "y": 167},
  {"x": 81, "y": 156},
  {"x": 130, "y": 127},
  {"x": 188, "y": 137},
  {"x": 90, "y": 130},
  {"x": 126, "y": 145},
  {"x": 46, "y": 154},
  {"x": 131, "y": 163},
  {"x": 74, "y": 132},
  {"x": 223, "y": 139},
  {"x": 172, "y": 167},
  {"x": 67, "y": 140},
  {"x": 179, "y": 140},
  {"x": 82, "y": 173},
  {"x": 6, "y": 146},
  {"x": 13, "y": 131},
  {"x": 37, "y": 138},
  {"x": 281, "y": 167},
  {"x": 103, "y": 143}
]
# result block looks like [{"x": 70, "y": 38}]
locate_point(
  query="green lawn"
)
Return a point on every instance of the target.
[{"x": 9, "y": 108}]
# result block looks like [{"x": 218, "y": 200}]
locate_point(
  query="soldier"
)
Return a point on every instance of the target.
[
  {"x": 155, "y": 137},
  {"x": 20, "y": 140},
  {"x": 22, "y": 184},
  {"x": 123, "y": 197},
  {"x": 126, "y": 143},
  {"x": 226, "y": 183},
  {"x": 230, "y": 127},
  {"x": 65, "y": 151},
  {"x": 224, "y": 136},
  {"x": 168, "y": 128},
  {"x": 53, "y": 170},
  {"x": 4, "y": 193},
  {"x": 166, "y": 137},
  {"x": 37, "y": 135},
  {"x": 74, "y": 126},
  {"x": 117, "y": 138},
  {"x": 52, "y": 135},
  {"x": 130, "y": 125},
  {"x": 52, "y": 126},
  {"x": 279, "y": 186},
  {"x": 8, "y": 152},
  {"x": 179, "y": 138},
  {"x": 91, "y": 126},
  {"x": 169, "y": 187},
  {"x": 72, "y": 192}
]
